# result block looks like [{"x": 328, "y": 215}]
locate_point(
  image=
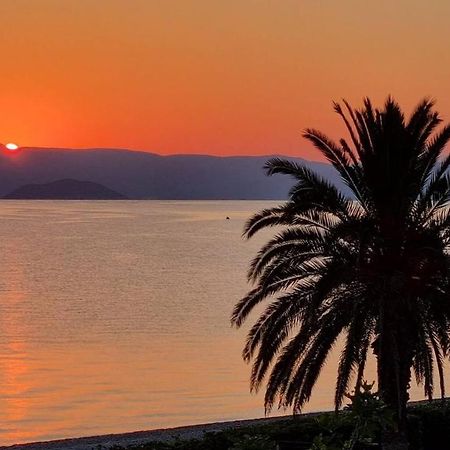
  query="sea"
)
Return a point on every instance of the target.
[{"x": 115, "y": 317}]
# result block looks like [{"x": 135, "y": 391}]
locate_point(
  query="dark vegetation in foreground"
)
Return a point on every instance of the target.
[
  {"x": 428, "y": 429},
  {"x": 392, "y": 238}
]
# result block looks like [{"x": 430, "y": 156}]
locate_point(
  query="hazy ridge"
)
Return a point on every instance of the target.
[
  {"x": 65, "y": 189},
  {"x": 141, "y": 175}
]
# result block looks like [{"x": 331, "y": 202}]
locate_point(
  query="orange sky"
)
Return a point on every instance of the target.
[{"x": 210, "y": 76}]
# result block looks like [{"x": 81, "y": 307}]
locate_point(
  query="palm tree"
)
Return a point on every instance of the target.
[{"x": 372, "y": 269}]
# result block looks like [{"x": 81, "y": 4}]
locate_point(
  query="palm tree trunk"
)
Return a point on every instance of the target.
[
  {"x": 393, "y": 387},
  {"x": 394, "y": 361}
]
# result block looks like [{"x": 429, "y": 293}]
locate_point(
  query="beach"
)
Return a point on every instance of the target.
[{"x": 142, "y": 437}]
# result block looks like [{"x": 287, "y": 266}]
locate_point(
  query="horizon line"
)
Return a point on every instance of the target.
[{"x": 272, "y": 155}]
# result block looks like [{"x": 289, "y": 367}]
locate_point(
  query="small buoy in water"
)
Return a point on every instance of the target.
[{"x": 228, "y": 218}]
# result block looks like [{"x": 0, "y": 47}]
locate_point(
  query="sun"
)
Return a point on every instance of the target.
[{"x": 11, "y": 147}]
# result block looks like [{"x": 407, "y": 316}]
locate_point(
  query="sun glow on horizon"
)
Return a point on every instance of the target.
[{"x": 11, "y": 147}]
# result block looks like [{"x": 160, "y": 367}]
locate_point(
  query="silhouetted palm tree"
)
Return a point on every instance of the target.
[{"x": 373, "y": 269}]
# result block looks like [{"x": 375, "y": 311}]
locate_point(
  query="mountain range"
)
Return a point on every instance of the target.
[
  {"x": 66, "y": 189},
  {"x": 142, "y": 175}
]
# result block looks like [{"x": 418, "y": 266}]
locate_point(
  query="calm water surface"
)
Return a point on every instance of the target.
[{"x": 114, "y": 317}]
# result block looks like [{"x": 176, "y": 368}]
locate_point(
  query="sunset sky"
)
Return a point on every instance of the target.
[{"x": 222, "y": 77}]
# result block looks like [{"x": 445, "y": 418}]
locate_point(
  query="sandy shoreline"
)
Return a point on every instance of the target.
[
  {"x": 141, "y": 437},
  {"x": 162, "y": 434}
]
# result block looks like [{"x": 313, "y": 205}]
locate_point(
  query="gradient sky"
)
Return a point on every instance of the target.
[{"x": 221, "y": 77}]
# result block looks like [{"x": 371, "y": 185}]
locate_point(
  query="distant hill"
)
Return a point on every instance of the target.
[
  {"x": 66, "y": 189},
  {"x": 140, "y": 175}
]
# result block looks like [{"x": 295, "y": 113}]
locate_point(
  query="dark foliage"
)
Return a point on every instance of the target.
[
  {"x": 428, "y": 429},
  {"x": 372, "y": 269}
]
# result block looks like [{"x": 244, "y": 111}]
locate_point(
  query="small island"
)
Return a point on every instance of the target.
[{"x": 66, "y": 189}]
